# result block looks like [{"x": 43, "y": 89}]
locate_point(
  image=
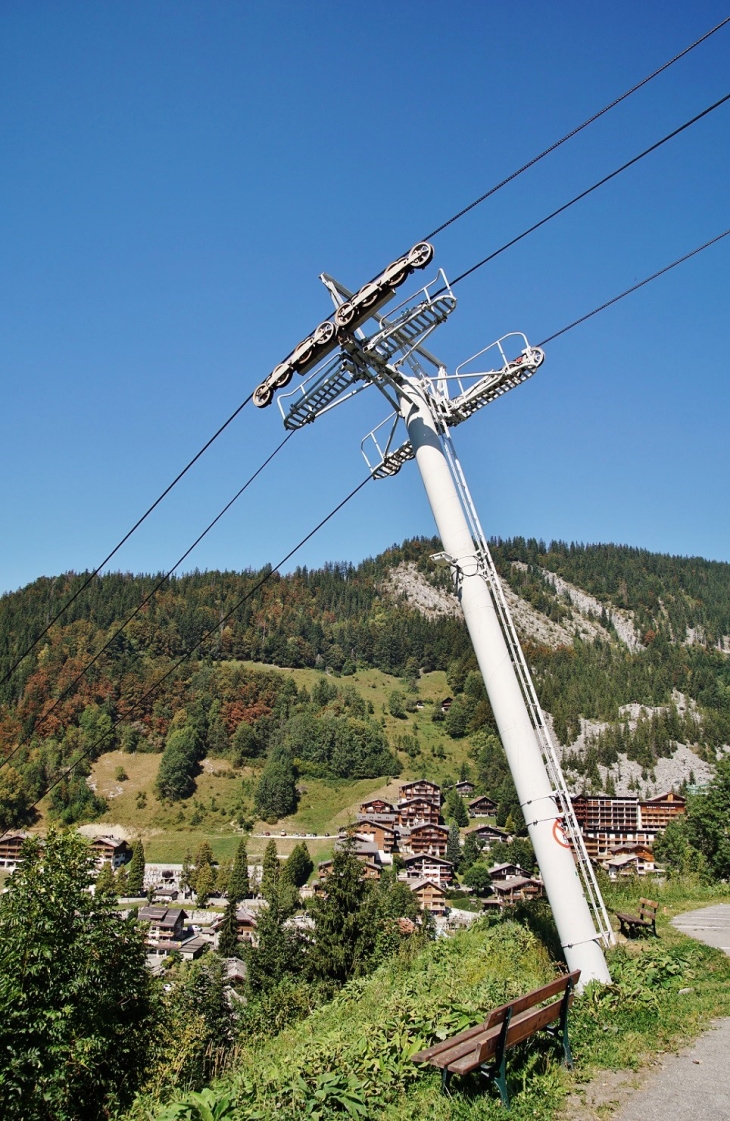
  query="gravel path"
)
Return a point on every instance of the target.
[{"x": 696, "y": 1083}]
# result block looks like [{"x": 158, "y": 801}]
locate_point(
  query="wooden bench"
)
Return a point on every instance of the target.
[
  {"x": 631, "y": 925},
  {"x": 485, "y": 1046}
]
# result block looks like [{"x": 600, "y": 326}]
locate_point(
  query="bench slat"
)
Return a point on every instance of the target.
[
  {"x": 496, "y": 1017},
  {"x": 520, "y": 1028}
]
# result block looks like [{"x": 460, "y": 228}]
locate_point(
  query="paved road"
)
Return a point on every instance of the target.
[
  {"x": 695, "y": 1084},
  {"x": 711, "y": 925}
]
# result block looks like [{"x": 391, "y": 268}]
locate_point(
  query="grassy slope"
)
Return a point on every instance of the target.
[
  {"x": 364, "y": 1037},
  {"x": 324, "y": 806}
]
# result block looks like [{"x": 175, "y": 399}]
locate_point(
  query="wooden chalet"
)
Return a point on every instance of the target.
[
  {"x": 166, "y": 927},
  {"x": 372, "y": 869},
  {"x": 505, "y": 871},
  {"x": 488, "y": 834},
  {"x": 421, "y": 788},
  {"x": 463, "y": 787},
  {"x": 384, "y": 836},
  {"x": 517, "y": 889},
  {"x": 110, "y": 850},
  {"x": 165, "y": 895},
  {"x": 482, "y": 807},
  {"x": 427, "y": 867},
  {"x": 10, "y": 846},
  {"x": 428, "y": 838},
  {"x": 656, "y": 813},
  {"x": 415, "y": 810},
  {"x": 376, "y": 806},
  {"x": 630, "y": 857},
  {"x": 431, "y": 897},
  {"x": 193, "y": 948},
  {"x": 245, "y": 922}
]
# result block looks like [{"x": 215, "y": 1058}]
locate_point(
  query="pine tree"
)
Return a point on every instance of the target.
[
  {"x": 453, "y": 847},
  {"x": 222, "y": 878},
  {"x": 204, "y": 855},
  {"x": 204, "y": 885},
  {"x": 105, "y": 880},
  {"x": 345, "y": 920},
  {"x": 270, "y": 870},
  {"x": 187, "y": 876},
  {"x": 472, "y": 850},
  {"x": 121, "y": 882},
  {"x": 238, "y": 884},
  {"x": 135, "y": 874},
  {"x": 280, "y": 950},
  {"x": 228, "y": 937}
]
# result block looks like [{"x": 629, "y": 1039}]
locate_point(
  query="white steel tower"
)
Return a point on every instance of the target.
[{"x": 429, "y": 401}]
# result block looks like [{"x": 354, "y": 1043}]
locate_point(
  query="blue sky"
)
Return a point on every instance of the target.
[{"x": 176, "y": 175}]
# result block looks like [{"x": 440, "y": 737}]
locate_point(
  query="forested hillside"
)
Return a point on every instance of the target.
[{"x": 604, "y": 627}]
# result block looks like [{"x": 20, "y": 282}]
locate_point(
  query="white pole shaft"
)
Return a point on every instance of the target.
[{"x": 562, "y": 884}]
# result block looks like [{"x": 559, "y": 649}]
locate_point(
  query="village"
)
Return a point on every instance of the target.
[{"x": 410, "y": 839}]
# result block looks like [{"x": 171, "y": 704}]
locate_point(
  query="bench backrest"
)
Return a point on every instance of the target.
[
  {"x": 647, "y": 909},
  {"x": 531, "y": 1000}
]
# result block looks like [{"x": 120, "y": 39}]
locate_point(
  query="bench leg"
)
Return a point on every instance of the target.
[
  {"x": 563, "y": 1027},
  {"x": 498, "y": 1069},
  {"x": 445, "y": 1080}
]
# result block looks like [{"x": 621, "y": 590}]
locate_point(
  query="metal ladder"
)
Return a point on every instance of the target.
[
  {"x": 415, "y": 324},
  {"x": 537, "y": 718}
]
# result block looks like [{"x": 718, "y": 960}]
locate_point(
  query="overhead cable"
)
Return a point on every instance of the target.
[
  {"x": 189, "y": 653},
  {"x": 575, "y": 131},
  {"x": 162, "y": 580},
  {"x": 119, "y": 544},
  {"x": 634, "y": 288},
  {"x": 589, "y": 190}
]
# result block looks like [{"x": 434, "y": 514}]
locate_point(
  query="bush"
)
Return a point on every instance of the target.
[
  {"x": 175, "y": 778},
  {"x": 276, "y": 793}
]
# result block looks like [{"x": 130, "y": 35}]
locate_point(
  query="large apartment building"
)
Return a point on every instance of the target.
[{"x": 608, "y": 823}]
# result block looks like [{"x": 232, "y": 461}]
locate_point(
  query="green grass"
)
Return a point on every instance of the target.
[
  {"x": 360, "y": 1043},
  {"x": 223, "y": 792}
]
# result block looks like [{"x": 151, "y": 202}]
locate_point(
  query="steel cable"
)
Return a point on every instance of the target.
[
  {"x": 119, "y": 544},
  {"x": 163, "y": 579},
  {"x": 575, "y": 131},
  {"x": 634, "y": 288},
  {"x": 189, "y": 653},
  {"x": 588, "y": 191}
]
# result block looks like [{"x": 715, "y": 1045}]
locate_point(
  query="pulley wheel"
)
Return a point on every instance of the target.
[
  {"x": 324, "y": 333},
  {"x": 345, "y": 314},
  {"x": 420, "y": 255},
  {"x": 262, "y": 395},
  {"x": 280, "y": 376}
]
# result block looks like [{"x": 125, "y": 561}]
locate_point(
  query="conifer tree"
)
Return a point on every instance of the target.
[
  {"x": 204, "y": 855},
  {"x": 228, "y": 937},
  {"x": 122, "y": 887},
  {"x": 105, "y": 880},
  {"x": 222, "y": 877},
  {"x": 453, "y": 847},
  {"x": 204, "y": 885},
  {"x": 135, "y": 874},
  {"x": 270, "y": 869},
  {"x": 280, "y": 950},
  {"x": 238, "y": 884},
  {"x": 472, "y": 850},
  {"x": 345, "y": 920},
  {"x": 455, "y": 809}
]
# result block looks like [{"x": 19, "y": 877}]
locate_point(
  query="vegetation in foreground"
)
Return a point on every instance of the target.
[{"x": 351, "y": 1057}]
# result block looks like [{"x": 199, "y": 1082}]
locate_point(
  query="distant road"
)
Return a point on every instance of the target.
[
  {"x": 295, "y": 836},
  {"x": 691, "y": 1086}
]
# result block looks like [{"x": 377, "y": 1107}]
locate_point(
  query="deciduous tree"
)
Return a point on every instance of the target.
[{"x": 77, "y": 1002}]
